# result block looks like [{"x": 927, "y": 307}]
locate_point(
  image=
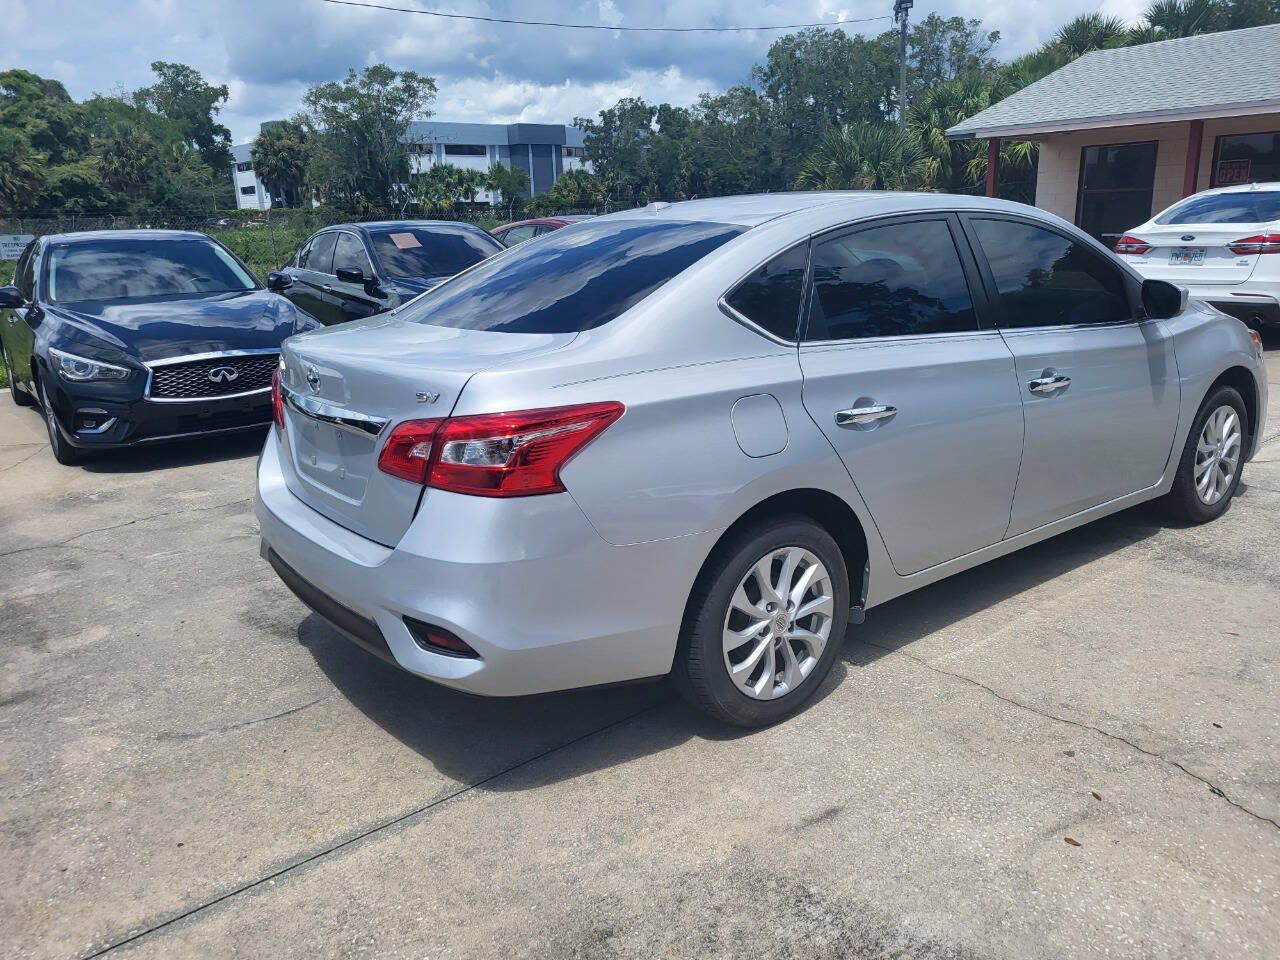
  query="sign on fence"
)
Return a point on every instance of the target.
[{"x": 12, "y": 244}]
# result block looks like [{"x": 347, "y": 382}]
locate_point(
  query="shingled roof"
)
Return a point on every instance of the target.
[{"x": 1211, "y": 75}]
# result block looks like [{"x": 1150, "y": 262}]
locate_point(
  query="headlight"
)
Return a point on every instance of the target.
[{"x": 82, "y": 369}]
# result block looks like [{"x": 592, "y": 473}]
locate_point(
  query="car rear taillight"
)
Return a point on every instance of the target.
[
  {"x": 495, "y": 454},
  {"x": 407, "y": 452},
  {"x": 277, "y": 399},
  {"x": 1128, "y": 244},
  {"x": 1262, "y": 243}
]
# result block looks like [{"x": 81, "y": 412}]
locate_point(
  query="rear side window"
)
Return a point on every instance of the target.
[
  {"x": 1254, "y": 206},
  {"x": 572, "y": 280},
  {"x": 770, "y": 297},
  {"x": 1045, "y": 279},
  {"x": 517, "y": 235},
  {"x": 895, "y": 280},
  {"x": 24, "y": 277}
]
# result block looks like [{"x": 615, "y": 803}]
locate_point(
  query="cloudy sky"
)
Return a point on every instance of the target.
[{"x": 268, "y": 51}]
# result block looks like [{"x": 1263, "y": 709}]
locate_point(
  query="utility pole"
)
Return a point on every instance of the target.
[{"x": 900, "y": 8}]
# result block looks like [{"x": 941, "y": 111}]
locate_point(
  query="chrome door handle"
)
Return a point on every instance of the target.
[
  {"x": 863, "y": 416},
  {"x": 327, "y": 288},
  {"x": 1049, "y": 384}
]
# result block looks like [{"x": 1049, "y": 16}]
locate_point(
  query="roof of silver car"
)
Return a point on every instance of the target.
[{"x": 750, "y": 210}]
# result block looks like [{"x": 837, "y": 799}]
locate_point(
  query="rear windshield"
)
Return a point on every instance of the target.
[
  {"x": 1254, "y": 206},
  {"x": 428, "y": 252},
  {"x": 571, "y": 280},
  {"x": 154, "y": 267}
]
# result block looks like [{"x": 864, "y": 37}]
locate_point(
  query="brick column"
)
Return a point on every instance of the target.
[
  {"x": 993, "y": 166},
  {"x": 1191, "y": 175}
]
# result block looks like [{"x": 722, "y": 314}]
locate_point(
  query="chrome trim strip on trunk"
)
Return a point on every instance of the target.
[{"x": 335, "y": 415}]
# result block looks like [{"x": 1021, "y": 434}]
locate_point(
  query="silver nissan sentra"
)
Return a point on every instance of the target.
[{"x": 701, "y": 439}]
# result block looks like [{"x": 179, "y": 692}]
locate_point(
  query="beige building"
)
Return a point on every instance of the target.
[{"x": 1124, "y": 133}]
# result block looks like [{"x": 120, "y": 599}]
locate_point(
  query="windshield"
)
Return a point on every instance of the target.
[
  {"x": 1254, "y": 206},
  {"x": 120, "y": 269},
  {"x": 430, "y": 251},
  {"x": 571, "y": 280}
]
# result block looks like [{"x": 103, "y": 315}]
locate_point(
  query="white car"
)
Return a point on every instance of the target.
[{"x": 1223, "y": 245}]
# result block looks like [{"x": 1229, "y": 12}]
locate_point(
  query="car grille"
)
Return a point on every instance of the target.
[{"x": 212, "y": 377}]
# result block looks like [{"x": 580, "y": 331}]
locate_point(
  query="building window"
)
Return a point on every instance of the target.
[
  {"x": 249, "y": 191},
  {"x": 1246, "y": 158},
  {"x": 464, "y": 150},
  {"x": 1116, "y": 182},
  {"x": 244, "y": 167},
  {"x": 577, "y": 152},
  {"x": 418, "y": 149}
]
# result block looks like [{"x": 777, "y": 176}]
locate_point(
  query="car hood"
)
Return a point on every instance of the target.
[{"x": 155, "y": 328}]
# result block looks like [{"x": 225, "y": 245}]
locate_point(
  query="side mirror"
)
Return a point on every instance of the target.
[
  {"x": 350, "y": 274},
  {"x": 279, "y": 282},
  {"x": 1162, "y": 300},
  {"x": 11, "y": 298}
]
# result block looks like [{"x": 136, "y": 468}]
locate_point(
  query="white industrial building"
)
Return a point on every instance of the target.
[{"x": 542, "y": 150}]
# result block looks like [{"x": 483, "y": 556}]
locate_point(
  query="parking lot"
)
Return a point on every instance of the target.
[{"x": 1071, "y": 752}]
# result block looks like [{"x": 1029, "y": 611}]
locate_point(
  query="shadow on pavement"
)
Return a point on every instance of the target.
[{"x": 456, "y": 732}]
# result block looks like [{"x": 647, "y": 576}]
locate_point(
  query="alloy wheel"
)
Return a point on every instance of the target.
[
  {"x": 1217, "y": 455},
  {"x": 778, "y": 623}
]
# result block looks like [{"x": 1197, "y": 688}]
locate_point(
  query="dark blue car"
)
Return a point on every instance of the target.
[
  {"x": 136, "y": 336},
  {"x": 355, "y": 270}
]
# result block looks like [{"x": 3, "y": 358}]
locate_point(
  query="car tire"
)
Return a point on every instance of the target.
[
  {"x": 1208, "y": 476},
  {"x": 63, "y": 452},
  {"x": 20, "y": 397},
  {"x": 755, "y": 682}
]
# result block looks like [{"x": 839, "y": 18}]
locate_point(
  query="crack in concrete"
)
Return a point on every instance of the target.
[
  {"x": 181, "y": 736},
  {"x": 362, "y": 835},
  {"x": 1213, "y": 788},
  {"x": 117, "y": 526},
  {"x": 35, "y": 453}
]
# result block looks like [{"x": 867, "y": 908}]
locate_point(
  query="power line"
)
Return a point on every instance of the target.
[{"x": 601, "y": 26}]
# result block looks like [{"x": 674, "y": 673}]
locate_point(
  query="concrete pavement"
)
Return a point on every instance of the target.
[{"x": 195, "y": 766}]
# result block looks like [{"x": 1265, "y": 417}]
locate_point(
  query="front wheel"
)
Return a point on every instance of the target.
[
  {"x": 765, "y": 622},
  {"x": 1212, "y": 459},
  {"x": 63, "y": 452}
]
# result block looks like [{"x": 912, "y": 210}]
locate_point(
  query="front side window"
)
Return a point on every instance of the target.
[
  {"x": 575, "y": 279},
  {"x": 350, "y": 253},
  {"x": 138, "y": 268},
  {"x": 1045, "y": 279},
  {"x": 770, "y": 297},
  {"x": 320, "y": 258},
  {"x": 1245, "y": 206},
  {"x": 895, "y": 280},
  {"x": 436, "y": 252}
]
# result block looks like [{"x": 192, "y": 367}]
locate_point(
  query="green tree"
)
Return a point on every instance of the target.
[
  {"x": 280, "y": 157},
  {"x": 181, "y": 96},
  {"x": 511, "y": 183},
  {"x": 357, "y": 126},
  {"x": 867, "y": 156},
  {"x": 579, "y": 189}
]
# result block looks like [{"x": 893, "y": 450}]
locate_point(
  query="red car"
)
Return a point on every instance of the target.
[{"x": 510, "y": 234}]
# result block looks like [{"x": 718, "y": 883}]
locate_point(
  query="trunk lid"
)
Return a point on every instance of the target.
[
  {"x": 1196, "y": 254},
  {"x": 347, "y": 387}
]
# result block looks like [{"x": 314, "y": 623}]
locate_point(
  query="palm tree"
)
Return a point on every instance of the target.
[
  {"x": 933, "y": 113},
  {"x": 1185, "y": 18},
  {"x": 1089, "y": 31},
  {"x": 864, "y": 156},
  {"x": 510, "y": 182},
  {"x": 280, "y": 155}
]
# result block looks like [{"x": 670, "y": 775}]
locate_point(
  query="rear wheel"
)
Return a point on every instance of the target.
[
  {"x": 20, "y": 397},
  {"x": 63, "y": 452},
  {"x": 765, "y": 622},
  {"x": 1212, "y": 459}
]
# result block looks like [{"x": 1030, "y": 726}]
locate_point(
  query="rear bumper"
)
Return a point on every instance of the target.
[
  {"x": 1256, "y": 303},
  {"x": 527, "y": 583}
]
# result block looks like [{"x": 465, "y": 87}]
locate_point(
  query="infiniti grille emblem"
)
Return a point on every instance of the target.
[
  {"x": 313, "y": 378},
  {"x": 222, "y": 374}
]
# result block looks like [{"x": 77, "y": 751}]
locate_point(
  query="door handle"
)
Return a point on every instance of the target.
[
  {"x": 865, "y": 416},
  {"x": 1049, "y": 383},
  {"x": 327, "y": 288}
]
